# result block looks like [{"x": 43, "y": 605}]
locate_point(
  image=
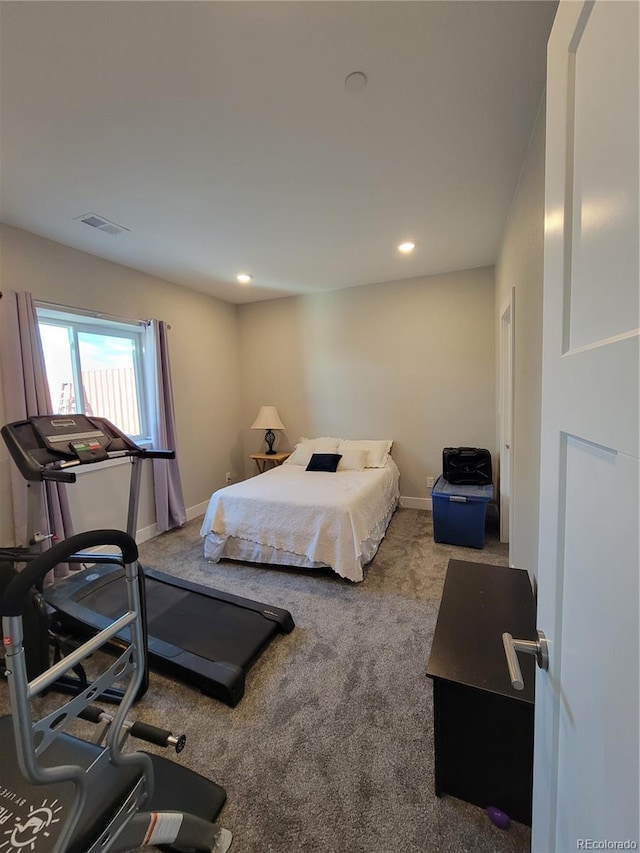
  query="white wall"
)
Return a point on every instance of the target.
[
  {"x": 520, "y": 265},
  {"x": 411, "y": 360},
  {"x": 204, "y": 353}
]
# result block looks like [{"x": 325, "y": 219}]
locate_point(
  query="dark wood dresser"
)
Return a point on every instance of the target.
[{"x": 483, "y": 727}]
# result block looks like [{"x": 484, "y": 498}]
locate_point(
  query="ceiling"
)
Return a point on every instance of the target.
[{"x": 223, "y": 137}]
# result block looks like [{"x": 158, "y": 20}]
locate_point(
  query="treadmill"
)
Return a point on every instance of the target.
[{"x": 196, "y": 634}]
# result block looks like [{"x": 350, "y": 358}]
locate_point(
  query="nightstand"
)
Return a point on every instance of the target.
[{"x": 261, "y": 459}]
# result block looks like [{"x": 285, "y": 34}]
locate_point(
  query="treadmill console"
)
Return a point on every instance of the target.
[{"x": 47, "y": 442}]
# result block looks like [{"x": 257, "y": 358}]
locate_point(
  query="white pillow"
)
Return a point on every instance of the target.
[
  {"x": 353, "y": 459},
  {"x": 301, "y": 455},
  {"x": 325, "y": 444},
  {"x": 377, "y": 451},
  {"x": 306, "y": 447}
]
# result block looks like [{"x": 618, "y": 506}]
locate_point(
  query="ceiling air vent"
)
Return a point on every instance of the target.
[{"x": 102, "y": 224}]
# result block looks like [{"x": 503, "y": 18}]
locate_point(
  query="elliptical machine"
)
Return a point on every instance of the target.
[{"x": 62, "y": 794}]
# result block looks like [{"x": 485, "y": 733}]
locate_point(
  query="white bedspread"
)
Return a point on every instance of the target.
[{"x": 323, "y": 516}]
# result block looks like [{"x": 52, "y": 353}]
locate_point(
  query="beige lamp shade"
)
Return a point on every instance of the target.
[{"x": 268, "y": 419}]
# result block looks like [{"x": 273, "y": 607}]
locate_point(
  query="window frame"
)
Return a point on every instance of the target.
[{"x": 76, "y": 322}]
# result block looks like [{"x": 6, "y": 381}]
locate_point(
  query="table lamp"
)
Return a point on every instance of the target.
[{"x": 268, "y": 419}]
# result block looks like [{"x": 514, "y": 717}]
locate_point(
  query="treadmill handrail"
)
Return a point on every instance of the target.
[
  {"x": 26, "y": 464},
  {"x": 57, "y": 475},
  {"x": 157, "y": 454}
]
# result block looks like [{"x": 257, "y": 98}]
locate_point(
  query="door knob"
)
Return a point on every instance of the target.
[{"x": 539, "y": 648}]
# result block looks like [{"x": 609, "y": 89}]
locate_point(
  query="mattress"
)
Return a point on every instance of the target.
[{"x": 311, "y": 519}]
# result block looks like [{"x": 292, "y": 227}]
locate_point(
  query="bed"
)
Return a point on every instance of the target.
[{"x": 327, "y": 506}]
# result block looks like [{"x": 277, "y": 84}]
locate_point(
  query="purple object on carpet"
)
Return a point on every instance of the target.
[{"x": 499, "y": 818}]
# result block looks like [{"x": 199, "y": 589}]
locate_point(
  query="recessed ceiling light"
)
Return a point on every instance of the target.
[
  {"x": 244, "y": 277},
  {"x": 407, "y": 247}
]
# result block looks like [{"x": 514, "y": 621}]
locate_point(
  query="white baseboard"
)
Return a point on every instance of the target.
[
  {"x": 415, "y": 503},
  {"x": 146, "y": 533},
  {"x": 198, "y": 509},
  {"x": 150, "y": 532}
]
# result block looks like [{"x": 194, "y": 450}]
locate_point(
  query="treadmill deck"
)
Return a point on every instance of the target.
[{"x": 195, "y": 633}]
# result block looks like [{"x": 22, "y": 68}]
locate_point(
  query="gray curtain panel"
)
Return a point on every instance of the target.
[
  {"x": 26, "y": 393},
  {"x": 170, "y": 509}
]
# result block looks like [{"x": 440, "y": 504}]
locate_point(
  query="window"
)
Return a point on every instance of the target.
[{"x": 96, "y": 367}]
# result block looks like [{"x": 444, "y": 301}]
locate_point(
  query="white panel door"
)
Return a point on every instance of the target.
[{"x": 586, "y": 765}]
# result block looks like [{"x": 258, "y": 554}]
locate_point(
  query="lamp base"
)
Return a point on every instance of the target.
[{"x": 270, "y": 437}]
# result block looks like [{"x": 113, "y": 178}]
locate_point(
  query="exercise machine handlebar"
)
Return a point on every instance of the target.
[
  {"x": 58, "y": 475},
  {"x": 143, "y": 731},
  {"x": 34, "y": 573},
  {"x": 157, "y": 454},
  {"x": 160, "y": 737}
]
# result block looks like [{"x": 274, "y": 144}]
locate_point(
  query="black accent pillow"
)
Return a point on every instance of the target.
[{"x": 324, "y": 462}]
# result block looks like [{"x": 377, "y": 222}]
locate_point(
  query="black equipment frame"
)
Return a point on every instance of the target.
[
  {"x": 95, "y": 796},
  {"x": 48, "y": 448}
]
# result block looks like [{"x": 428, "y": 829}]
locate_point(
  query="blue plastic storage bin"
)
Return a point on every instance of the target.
[{"x": 459, "y": 513}]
